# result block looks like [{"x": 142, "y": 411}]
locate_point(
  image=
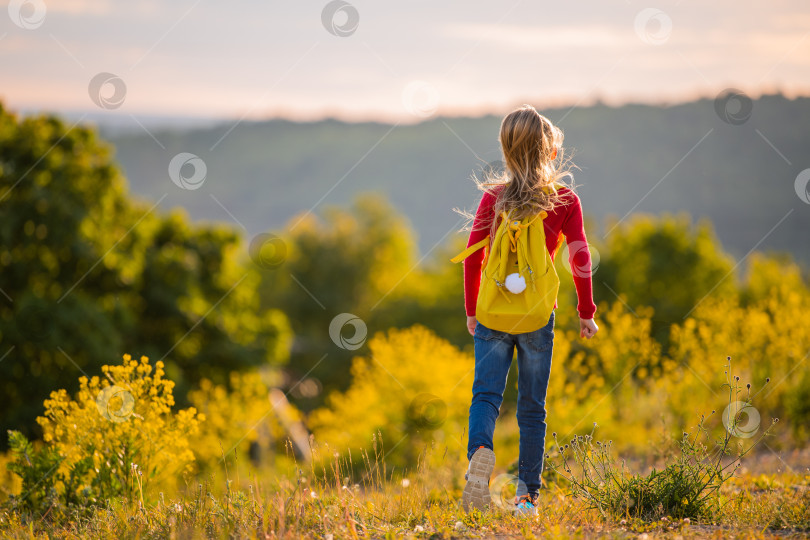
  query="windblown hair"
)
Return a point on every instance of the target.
[{"x": 528, "y": 142}]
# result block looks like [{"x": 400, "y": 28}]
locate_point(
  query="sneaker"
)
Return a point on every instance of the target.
[
  {"x": 524, "y": 505},
  {"x": 476, "y": 492}
]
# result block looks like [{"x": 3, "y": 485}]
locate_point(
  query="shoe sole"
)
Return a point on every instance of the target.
[{"x": 476, "y": 492}]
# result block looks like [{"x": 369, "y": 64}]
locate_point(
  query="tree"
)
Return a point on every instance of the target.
[
  {"x": 88, "y": 274},
  {"x": 348, "y": 261},
  {"x": 360, "y": 261},
  {"x": 665, "y": 263}
]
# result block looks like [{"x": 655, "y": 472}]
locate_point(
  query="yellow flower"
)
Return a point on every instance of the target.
[{"x": 100, "y": 423}]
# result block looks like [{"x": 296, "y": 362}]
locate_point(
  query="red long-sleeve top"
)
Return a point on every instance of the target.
[{"x": 565, "y": 219}]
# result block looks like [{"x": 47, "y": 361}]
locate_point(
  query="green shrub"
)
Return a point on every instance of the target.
[{"x": 688, "y": 487}]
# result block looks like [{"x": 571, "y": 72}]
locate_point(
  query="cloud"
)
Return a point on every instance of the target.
[
  {"x": 81, "y": 7},
  {"x": 103, "y": 7},
  {"x": 535, "y": 38}
]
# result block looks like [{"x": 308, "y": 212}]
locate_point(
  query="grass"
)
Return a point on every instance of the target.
[{"x": 323, "y": 502}]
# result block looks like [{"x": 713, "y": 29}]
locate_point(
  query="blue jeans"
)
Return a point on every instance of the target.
[{"x": 493, "y": 357}]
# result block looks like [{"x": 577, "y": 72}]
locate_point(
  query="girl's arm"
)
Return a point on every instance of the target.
[
  {"x": 579, "y": 257},
  {"x": 472, "y": 264}
]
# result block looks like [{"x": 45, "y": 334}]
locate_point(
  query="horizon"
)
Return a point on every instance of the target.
[{"x": 123, "y": 123}]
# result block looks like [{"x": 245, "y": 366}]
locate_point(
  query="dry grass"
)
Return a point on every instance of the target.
[{"x": 324, "y": 502}]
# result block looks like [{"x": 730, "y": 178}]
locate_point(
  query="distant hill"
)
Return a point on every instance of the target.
[{"x": 633, "y": 158}]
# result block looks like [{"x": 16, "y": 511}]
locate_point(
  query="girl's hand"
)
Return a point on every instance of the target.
[
  {"x": 471, "y": 322},
  {"x": 587, "y": 328}
]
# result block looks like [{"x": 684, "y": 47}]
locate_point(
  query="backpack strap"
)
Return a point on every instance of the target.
[{"x": 470, "y": 250}]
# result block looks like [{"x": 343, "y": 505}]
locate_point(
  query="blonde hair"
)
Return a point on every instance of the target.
[{"x": 533, "y": 173}]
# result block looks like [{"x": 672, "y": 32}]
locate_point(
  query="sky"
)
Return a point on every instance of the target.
[{"x": 389, "y": 60}]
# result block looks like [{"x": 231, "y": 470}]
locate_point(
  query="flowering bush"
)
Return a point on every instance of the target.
[
  {"x": 757, "y": 332},
  {"x": 117, "y": 437},
  {"x": 236, "y": 417},
  {"x": 612, "y": 379},
  {"x": 413, "y": 388}
]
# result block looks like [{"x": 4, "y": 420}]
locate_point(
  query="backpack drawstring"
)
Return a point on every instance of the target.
[{"x": 514, "y": 230}]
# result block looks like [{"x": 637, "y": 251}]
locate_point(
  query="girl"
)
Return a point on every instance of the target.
[{"x": 530, "y": 146}]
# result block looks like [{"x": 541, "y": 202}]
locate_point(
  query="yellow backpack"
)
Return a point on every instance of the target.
[{"x": 519, "y": 283}]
